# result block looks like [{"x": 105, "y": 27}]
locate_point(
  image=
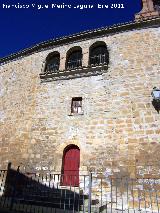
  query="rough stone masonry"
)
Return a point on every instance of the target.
[{"x": 119, "y": 127}]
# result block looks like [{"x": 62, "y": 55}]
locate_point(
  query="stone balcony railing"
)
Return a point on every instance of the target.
[{"x": 74, "y": 73}]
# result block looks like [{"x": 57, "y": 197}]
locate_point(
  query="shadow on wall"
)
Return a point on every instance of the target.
[
  {"x": 30, "y": 192},
  {"x": 148, "y": 160}
]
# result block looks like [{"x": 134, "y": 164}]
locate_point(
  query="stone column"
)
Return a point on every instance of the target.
[
  {"x": 148, "y": 11},
  {"x": 147, "y": 6},
  {"x": 62, "y": 61},
  {"x": 85, "y": 57}
]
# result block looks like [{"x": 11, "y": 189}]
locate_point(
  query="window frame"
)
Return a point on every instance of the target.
[{"x": 76, "y": 106}]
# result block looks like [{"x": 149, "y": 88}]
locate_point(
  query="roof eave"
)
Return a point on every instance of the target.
[{"x": 83, "y": 35}]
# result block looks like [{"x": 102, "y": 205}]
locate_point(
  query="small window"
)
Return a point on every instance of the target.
[{"x": 76, "y": 106}]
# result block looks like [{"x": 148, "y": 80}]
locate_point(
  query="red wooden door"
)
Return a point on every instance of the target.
[{"x": 71, "y": 163}]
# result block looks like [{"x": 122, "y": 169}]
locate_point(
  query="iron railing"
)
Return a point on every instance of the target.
[
  {"x": 126, "y": 194},
  {"x": 98, "y": 59},
  {"x": 52, "y": 68},
  {"x": 73, "y": 64},
  {"x": 46, "y": 192},
  {"x": 42, "y": 192}
]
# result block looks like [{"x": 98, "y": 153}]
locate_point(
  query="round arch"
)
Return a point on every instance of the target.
[
  {"x": 98, "y": 53},
  {"x": 74, "y": 57},
  {"x": 52, "y": 62},
  {"x": 70, "y": 165}
]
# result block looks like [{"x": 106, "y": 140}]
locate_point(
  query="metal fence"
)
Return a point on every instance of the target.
[
  {"x": 47, "y": 193},
  {"x": 126, "y": 194},
  {"x": 99, "y": 59},
  {"x": 42, "y": 192},
  {"x": 73, "y": 64},
  {"x": 51, "y": 68}
]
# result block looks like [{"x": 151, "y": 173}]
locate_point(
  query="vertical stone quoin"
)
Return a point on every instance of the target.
[{"x": 148, "y": 11}]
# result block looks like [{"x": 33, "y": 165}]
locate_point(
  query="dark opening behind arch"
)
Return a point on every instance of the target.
[
  {"x": 156, "y": 4},
  {"x": 74, "y": 58},
  {"x": 98, "y": 54},
  {"x": 52, "y": 62}
]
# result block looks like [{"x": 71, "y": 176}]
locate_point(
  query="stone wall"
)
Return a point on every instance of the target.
[{"x": 119, "y": 129}]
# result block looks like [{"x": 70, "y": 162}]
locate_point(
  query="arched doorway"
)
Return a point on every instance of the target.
[{"x": 70, "y": 166}]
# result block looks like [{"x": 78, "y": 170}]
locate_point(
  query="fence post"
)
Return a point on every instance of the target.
[{"x": 90, "y": 193}]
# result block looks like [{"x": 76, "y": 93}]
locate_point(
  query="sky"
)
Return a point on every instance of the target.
[{"x": 41, "y": 20}]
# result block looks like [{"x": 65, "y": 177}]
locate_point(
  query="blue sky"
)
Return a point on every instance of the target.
[{"x": 22, "y": 28}]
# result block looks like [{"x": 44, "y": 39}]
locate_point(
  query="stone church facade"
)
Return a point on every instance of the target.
[{"x": 90, "y": 92}]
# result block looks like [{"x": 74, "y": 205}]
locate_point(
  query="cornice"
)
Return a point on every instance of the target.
[{"x": 110, "y": 30}]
